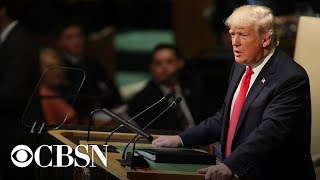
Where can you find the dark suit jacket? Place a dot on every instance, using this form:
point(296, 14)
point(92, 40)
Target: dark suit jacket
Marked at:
point(97, 91)
point(272, 139)
point(19, 73)
point(152, 93)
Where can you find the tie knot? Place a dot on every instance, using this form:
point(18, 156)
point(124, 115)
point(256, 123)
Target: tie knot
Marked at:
point(249, 71)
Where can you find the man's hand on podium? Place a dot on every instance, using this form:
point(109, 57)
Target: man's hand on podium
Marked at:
point(168, 141)
point(221, 172)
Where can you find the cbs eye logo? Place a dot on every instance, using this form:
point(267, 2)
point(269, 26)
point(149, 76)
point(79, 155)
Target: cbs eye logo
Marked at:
point(21, 156)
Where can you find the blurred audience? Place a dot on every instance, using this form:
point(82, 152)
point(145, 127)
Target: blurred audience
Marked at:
point(167, 68)
point(98, 90)
point(55, 108)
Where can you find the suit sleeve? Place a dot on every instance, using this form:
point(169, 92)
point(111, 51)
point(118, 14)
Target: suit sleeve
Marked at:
point(284, 115)
point(207, 132)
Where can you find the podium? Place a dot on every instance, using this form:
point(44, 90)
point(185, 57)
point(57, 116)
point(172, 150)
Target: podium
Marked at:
point(73, 138)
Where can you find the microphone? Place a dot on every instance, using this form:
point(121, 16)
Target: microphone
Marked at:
point(128, 124)
point(111, 148)
point(166, 97)
point(173, 104)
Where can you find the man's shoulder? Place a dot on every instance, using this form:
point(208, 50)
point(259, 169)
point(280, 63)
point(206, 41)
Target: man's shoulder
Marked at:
point(148, 95)
point(150, 92)
point(150, 88)
point(20, 37)
point(287, 66)
point(93, 64)
point(19, 31)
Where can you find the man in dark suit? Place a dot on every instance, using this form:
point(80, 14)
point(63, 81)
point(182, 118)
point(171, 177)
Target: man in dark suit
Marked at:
point(168, 76)
point(264, 124)
point(19, 59)
point(18, 78)
point(98, 90)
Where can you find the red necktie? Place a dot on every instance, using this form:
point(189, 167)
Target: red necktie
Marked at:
point(245, 83)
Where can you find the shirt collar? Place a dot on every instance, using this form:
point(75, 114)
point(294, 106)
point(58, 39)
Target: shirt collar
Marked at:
point(6, 31)
point(72, 59)
point(166, 90)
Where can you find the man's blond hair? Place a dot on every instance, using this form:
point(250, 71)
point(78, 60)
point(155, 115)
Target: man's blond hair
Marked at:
point(259, 16)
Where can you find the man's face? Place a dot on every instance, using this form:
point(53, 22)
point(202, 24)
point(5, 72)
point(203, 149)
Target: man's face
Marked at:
point(72, 40)
point(165, 65)
point(248, 45)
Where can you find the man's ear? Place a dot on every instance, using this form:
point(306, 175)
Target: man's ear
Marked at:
point(266, 41)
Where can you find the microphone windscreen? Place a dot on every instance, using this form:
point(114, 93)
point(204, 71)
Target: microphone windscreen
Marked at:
point(178, 100)
point(168, 96)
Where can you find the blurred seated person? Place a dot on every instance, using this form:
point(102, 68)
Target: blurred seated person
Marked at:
point(55, 108)
point(98, 90)
point(167, 69)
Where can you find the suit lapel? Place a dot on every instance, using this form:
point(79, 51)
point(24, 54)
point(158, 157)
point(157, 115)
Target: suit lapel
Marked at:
point(238, 72)
point(235, 79)
point(264, 77)
point(9, 38)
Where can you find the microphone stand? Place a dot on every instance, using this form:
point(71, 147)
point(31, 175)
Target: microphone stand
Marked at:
point(90, 122)
point(137, 160)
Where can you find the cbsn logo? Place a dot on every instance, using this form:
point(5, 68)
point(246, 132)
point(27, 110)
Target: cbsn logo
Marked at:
point(22, 156)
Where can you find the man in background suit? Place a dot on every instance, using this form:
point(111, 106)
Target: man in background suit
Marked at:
point(19, 59)
point(98, 90)
point(18, 77)
point(168, 76)
point(264, 124)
